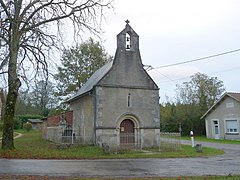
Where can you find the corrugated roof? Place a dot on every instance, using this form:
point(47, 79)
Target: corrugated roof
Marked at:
point(93, 80)
point(235, 96)
point(35, 120)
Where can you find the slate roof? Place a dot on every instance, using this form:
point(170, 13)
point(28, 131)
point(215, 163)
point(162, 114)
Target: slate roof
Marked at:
point(92, 81)
point(233, 95)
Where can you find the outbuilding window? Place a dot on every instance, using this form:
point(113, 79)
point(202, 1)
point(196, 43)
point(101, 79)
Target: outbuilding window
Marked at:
point(230, 105)
point(231, 126)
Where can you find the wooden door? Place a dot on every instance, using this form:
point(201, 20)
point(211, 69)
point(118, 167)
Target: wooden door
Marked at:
point(127, 132)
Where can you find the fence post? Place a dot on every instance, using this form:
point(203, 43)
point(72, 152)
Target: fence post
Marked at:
point(192, 138)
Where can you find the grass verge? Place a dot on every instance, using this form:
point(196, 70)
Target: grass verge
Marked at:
point(32, 146)
point(204, 139)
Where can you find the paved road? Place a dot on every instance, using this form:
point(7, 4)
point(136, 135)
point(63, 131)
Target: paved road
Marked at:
point(226, 164)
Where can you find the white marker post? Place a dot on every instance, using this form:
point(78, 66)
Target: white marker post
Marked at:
point(192, 138)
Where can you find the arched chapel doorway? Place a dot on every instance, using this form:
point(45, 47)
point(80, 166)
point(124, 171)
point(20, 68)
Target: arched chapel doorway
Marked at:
point(127, 136)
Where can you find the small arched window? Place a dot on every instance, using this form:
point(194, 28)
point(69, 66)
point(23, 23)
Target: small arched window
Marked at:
point(129, 100)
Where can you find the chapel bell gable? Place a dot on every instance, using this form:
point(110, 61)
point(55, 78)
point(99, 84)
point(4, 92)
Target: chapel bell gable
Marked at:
point(119, 104)
point(128, 39)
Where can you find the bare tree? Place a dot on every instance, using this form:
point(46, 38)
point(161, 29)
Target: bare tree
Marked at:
point(26, 37)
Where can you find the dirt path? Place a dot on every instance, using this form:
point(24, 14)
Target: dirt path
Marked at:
point(17, 136)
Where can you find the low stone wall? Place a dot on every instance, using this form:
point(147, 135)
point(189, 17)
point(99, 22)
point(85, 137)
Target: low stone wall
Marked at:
point(232, 136)
point(54, 134)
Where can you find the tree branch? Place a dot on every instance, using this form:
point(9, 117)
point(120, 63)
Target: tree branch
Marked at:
point(4, 62)
point(31, 4)
point(23, 14)
point(80, 19)
point(3, 72)
point(5, 9)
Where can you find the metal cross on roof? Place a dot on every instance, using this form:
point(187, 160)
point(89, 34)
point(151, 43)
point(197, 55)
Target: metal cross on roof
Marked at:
point(127, 21)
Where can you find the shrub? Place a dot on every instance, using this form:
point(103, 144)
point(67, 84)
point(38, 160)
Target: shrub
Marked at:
point(27, 126)
point(17, 123)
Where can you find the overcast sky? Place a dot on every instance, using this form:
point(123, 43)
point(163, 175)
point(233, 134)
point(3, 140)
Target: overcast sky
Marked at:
point(173, 31)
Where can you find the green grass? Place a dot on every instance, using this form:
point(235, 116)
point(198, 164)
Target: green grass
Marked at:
point(32, 146)
point(204, 139)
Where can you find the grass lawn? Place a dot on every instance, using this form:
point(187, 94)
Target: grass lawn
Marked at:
point(203, 138)
point(32, 146)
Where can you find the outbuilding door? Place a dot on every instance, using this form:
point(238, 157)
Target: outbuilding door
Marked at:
point(127, 132)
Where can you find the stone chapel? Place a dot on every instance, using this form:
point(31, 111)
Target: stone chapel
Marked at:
point(119, 104)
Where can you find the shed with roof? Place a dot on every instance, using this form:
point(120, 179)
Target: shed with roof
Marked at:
point(119, 104)
point(36, 123)
point(222, 120)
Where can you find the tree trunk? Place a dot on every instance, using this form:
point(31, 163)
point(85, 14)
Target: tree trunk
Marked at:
point(3, 103)
point(8, 123)
point(13, 86)
point(8, 118)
